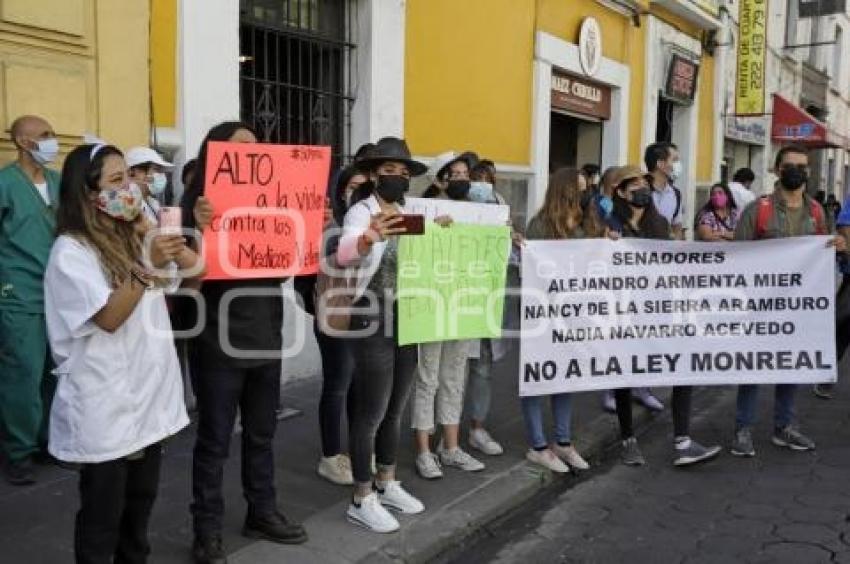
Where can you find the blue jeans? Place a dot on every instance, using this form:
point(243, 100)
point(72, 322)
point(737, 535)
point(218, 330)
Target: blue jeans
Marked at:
point(783, 410)
point(532, 413)
point(478, 391)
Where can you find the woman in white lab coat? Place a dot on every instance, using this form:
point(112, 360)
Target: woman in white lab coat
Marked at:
point(119, 391)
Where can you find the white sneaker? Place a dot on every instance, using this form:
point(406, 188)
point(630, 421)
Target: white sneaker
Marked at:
point(570, 455)
point(372, 515)
point(336, 469)
point(428, 466)
point(480, 439)
point(396, 497)
point(547, 459)
point(458, 458)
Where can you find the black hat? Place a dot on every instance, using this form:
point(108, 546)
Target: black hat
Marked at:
point(391, 149)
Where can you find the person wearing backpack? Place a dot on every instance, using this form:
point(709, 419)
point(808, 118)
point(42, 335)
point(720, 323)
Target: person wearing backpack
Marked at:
point(788, 212)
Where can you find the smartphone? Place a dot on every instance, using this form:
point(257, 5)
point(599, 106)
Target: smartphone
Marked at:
point(171, 219)
point(413, 224)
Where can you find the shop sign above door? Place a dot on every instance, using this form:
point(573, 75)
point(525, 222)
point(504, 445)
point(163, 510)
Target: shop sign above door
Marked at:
point(579, 95)
point(590, 46)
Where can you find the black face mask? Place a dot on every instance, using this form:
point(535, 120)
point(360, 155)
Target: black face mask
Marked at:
point(458, 189)
point(641, 198)
point(391, 187)
point(793, 177)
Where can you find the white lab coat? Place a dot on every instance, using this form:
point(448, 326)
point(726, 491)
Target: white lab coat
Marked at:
point(118, 392)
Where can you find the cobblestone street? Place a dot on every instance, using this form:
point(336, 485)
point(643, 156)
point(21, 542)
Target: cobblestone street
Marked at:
point(780, 506)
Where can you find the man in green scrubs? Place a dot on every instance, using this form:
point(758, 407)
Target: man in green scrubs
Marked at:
point(29, 194)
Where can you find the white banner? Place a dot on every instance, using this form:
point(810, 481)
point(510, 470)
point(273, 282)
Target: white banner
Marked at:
point(600, 314)
point(460, 212)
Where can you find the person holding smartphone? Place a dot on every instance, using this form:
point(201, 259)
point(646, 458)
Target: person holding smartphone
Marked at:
point(119, 393)
point(384, 371)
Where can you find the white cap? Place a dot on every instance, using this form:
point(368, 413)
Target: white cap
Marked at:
point(142, 155)
point(440, 162)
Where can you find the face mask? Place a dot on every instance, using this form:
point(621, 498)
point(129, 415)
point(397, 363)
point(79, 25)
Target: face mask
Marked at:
point(676, 173)
point(124, 203)
point(160, 181)
point(606, 206)
point(793, 177)
point(481, 192)
point(46, 152)
point(458, 189)
point(391, 187)
point(641, 198)
point(719, 200)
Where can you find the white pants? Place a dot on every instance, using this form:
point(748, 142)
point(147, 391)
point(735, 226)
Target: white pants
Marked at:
point(440, 379)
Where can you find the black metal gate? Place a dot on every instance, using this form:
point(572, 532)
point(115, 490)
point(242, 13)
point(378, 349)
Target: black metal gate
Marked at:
point(295, 82)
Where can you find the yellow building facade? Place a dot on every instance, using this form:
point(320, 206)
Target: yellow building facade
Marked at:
point(80, 64)
point(485, 75)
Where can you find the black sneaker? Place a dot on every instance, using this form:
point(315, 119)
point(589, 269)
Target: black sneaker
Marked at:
point(275, 528)
point(19, 473)
point(209, 550)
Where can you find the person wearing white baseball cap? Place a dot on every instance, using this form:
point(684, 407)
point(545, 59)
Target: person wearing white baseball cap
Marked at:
point(147, 168)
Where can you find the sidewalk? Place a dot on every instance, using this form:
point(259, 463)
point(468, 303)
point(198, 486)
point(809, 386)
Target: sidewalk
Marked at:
point(36, 523)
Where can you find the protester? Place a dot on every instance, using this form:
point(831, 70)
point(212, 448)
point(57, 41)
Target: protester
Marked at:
point(337, 358)
point(742, 186)
point(788, 212)
point(842, 301)
point(120, 393)
point(663, 164)
point(441, 372)
point(29, 192)
point(590, 172)
point(717, 219)
point(225, 383)
point(486, 351)
point(635, 211)
point(383, 370)
point(147, 169)
point(832, 208)
point(561, 217)
point(449, 175)
point(664, 167)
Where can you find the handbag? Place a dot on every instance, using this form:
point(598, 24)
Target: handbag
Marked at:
point(334, 295)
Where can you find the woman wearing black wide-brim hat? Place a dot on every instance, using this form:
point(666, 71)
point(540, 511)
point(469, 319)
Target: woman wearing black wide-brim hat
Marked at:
point(384, 371)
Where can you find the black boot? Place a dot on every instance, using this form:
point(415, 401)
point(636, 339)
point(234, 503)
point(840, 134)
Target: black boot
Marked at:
point(209, 550)
point(275, 528)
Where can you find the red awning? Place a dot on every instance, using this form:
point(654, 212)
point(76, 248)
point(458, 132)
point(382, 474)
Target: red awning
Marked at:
point(792, 124)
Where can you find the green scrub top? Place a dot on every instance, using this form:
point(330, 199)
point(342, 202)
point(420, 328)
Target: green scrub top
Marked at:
point(27, 231)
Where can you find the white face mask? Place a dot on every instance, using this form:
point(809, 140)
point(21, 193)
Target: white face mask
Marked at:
point(47, 151)
point(676, 173)
point(160, 181)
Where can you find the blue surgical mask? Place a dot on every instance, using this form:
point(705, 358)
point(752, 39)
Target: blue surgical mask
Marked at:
point(158, 184)
point(47, 151)
point(606, 206)
point(481, 192)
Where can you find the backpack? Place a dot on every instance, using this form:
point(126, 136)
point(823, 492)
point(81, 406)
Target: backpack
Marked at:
point(765, 212)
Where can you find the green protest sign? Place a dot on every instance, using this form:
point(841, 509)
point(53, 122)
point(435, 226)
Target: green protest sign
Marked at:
point(451, 283)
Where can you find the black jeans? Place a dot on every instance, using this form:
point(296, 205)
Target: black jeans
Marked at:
point(380, 387)
point(221, 389)
point(337, 367)
point(681, 408)
point(116, 498)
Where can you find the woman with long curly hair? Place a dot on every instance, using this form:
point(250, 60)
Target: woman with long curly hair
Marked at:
point(561, 217)
point(120, 393)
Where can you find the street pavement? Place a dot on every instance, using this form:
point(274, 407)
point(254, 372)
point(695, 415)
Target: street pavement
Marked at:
point(778, 507)
point(778, 503)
